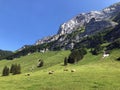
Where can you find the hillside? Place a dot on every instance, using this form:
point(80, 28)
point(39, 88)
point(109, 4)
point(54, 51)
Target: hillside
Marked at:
point(84, 29)
point(30, 61)
point(4, 53)
point(93, 72)
point(89, 41)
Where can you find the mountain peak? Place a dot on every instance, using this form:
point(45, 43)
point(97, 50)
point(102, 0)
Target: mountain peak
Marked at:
point(92, 22)
point(115, 8)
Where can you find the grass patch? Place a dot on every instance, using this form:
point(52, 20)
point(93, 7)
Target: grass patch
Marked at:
point(92, 73)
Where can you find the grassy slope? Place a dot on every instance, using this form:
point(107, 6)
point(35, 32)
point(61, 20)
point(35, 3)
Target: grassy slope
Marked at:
point(92, 73)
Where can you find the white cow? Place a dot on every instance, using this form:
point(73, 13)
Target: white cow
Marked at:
point(105, 54)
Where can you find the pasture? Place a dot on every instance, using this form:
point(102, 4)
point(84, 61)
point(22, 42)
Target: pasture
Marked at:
point(91, 73)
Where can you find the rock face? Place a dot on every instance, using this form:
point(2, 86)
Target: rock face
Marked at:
point(112, 10)
point(25, 46)
point(95, 26)
point(79, 21)
point(84, 18)
point(93, 21)
point(47, 39)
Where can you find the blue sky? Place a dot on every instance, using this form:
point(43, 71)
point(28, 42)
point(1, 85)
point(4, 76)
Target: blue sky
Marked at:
point(25, 21)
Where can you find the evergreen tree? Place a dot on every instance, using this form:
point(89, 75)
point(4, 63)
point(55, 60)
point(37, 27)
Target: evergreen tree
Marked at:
point(96, 50)
point(76, 55)
point(65, 61)
point(12, 68)
point(18, 69)
point(15, 69)
point(5, 71)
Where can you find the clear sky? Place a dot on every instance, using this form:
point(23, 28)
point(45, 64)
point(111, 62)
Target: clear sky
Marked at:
point(25, 21)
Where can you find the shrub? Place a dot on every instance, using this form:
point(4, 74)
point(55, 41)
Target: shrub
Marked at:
point(40, 63)
point(76, 55)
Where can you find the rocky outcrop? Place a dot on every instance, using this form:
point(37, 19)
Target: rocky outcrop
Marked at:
point(93, 21)
point(96, 26)
point(25, 46)
point(79, 21)
point(112, 10)
point(84, 18)
point(47, 39)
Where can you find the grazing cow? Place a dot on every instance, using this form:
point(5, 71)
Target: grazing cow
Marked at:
point(29, 53)
point(73, 70)
point(28, 74)
point(65, 69)
point(50, 72)
point(105, 54)
point(42, 51)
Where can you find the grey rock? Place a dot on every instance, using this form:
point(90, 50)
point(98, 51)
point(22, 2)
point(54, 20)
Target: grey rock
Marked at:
point(93, 21)
point(95, 26)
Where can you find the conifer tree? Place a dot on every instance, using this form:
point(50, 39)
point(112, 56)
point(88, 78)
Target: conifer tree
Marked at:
point(15, 69)
point(65, 61)
point(18, 69)
point(5, 71)
point(12, 67)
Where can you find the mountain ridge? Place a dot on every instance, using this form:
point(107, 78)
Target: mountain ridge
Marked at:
point(97, 31)
point(82, 21)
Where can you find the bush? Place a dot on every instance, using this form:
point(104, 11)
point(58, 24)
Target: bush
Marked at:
point(5, 71)
point(76, 55)
point(40, 63)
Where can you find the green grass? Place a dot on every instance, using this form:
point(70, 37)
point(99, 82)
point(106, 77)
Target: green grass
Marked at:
point(92, 73)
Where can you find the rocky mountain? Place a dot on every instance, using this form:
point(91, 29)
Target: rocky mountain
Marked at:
point(47, 39)
point(23, 47)
point(96, 26)
point(91, 30)
point(92, 22)
point(84, 18)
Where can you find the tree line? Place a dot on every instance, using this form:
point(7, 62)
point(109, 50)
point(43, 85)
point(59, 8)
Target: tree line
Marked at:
point(4, 54)
point(14, 69)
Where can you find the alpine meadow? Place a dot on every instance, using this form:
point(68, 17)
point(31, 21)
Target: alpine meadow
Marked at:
point(83, 55)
